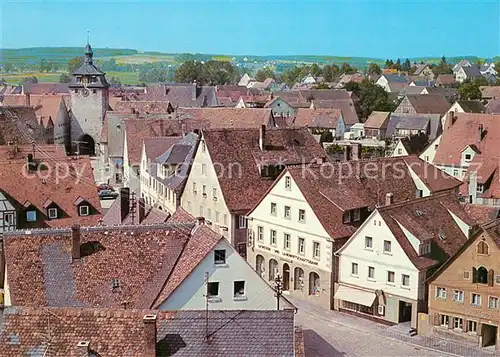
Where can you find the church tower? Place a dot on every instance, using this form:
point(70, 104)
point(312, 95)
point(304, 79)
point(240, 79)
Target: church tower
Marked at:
point(89, 103)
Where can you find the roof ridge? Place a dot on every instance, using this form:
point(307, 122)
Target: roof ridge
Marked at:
point(120, 227)
point(416, 199)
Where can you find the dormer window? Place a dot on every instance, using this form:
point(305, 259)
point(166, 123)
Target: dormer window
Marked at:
point(425, 248)
point(84, 210)
point(346, 217)
point(468, 157)
point(52, 213)
point(480, 188)
point(31, 216)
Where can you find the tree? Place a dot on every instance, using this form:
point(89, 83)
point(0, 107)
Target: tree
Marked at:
point(64, 78)
point(9, 67)
point(321, 86)
point(371, 97)
point(373, 68)
point(218, 72)
point(468, 91)
point(330, 71)
point(31, 79)
point(74, 64)
point(315, 70)
point(44, 65)
point(347, 69)
point(115, 81)
point(481, 81)
point(406, 65)
point(397, 65)
point(188, 72)
point(264, 73)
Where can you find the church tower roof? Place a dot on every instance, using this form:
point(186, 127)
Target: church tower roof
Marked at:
point(88, 69)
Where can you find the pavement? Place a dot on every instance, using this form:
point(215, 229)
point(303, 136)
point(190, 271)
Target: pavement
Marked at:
point(334, 334)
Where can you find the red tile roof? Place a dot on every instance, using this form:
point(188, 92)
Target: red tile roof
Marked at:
point(490, 92)
point(428, 219)
point(346, 105)
point(317, 118)
point(428, 103)
point(46, 106)
point(64, 181)
point(148, 263)
point(143, 107)
point(377, 120)
point(482, 214)
point(236, 118)
point(240, 147)
point(445, 79)
point(10, 153)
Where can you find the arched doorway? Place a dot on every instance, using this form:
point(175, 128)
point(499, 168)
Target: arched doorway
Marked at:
point(273, 267)
point(313, 283)
point(286, 277)
point(259, 264)
point(85, 145)
point(298, 278)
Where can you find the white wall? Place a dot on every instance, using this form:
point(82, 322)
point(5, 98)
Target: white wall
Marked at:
point(399, 150)
point(354, 252)
point(192, 202)
point(430, 152)
point(311, 230)
point(419, 183)
point(191, 293)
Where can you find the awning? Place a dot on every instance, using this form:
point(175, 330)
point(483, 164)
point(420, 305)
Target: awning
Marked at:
point(348, 293)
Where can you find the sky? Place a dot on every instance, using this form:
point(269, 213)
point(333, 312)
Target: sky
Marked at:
point(378, 29)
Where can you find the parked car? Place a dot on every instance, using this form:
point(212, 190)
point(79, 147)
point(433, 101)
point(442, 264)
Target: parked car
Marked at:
point(107, 195)
point(104, 186)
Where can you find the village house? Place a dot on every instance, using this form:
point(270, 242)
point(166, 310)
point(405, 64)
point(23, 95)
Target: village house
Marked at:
point(376, 125)
point(189, 95)
point(488, 69)
point(384, 265)
point(393, 82)
point(460, 64)
point(423, 104)
point(464, 293)
point(163, 173)
point(468, 150)
point(490, 92)
point(168, 266)
point(405, 125)
point(233, 168)
point(280, 107)
point(423, 70)
point(148, 333)
point(444, 80)
point(469, 73)
point(308, 213)
point(245, 79)
point(449, 93)
point(320, 120)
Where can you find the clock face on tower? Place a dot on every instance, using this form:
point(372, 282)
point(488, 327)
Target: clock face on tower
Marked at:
point(85, 92)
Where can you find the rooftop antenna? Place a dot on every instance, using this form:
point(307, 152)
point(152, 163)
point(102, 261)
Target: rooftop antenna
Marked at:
point(88, 37)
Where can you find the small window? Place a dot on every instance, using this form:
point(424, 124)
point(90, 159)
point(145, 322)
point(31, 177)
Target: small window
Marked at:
point(371, 273)
point(286, 241)
point(214, 193)
point(302, 215)
point(390, 277)
point(213, 289)
point(220, 256)
point(239, 288)
point(458, 296)
point(458, 323)
point(209, 214)
point(316, 250)
point(203, 169)
point(115, 283)
point(356, 214)
point(476, 300)
point(273, 209)
point(440, 293)
point(52, 212)
point(493, 302)
point(260, 233)
point(346, 218)
point(354, 269)
point(288, 182)
point(203, 146)
point(405, 280)
point(424, 248)
point(31, 216)
point(482, 248)
point(273, 237)
point(302, 246)
point(381, 310)
point(468, 157)
point(368, 242)
point(194, 188)
point(480, 188)
point(242, 222)
point(8, 219)
point(472, 326)
point(217, 216)
point(204, 190)
point(387, 246)
point(84, 210)
point(466, 275)
point(444, 320)
point(287, 213)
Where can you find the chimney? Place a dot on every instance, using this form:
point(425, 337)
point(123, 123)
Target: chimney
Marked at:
point(312, 104)
point(389, 199)
point(200, 221)
point(356, 151)
point(262, 138)
point(27, 100)
point(480, 131)
point(195, 90)
point(347, 153)
point(124, 203)
point(142, 210)
point(75, 241)
point(83, 349)
point(150, 335)
point(162, 128)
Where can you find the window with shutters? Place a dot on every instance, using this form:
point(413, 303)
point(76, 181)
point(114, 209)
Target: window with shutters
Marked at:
point(482, 248)
point(480, 275)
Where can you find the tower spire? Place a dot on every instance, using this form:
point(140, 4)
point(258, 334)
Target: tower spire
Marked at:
point(88, 50)
point(88, 37)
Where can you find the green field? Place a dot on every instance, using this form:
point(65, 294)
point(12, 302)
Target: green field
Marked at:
point(17, 78)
